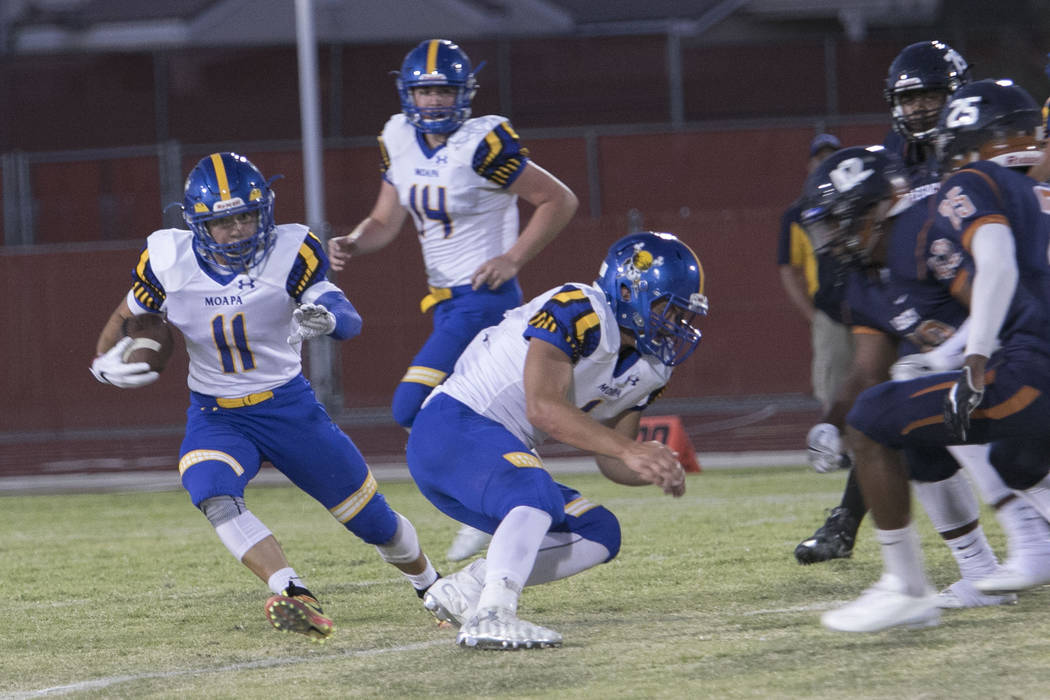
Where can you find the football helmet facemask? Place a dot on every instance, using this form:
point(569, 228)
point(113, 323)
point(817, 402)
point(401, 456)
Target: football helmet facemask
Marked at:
point(437, 62)
point(993, 120)
point(655, 286)
point(223, 185)
point(923, 67)
point(847, 200)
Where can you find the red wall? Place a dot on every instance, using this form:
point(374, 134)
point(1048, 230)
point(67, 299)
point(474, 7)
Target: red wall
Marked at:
point(720, 191)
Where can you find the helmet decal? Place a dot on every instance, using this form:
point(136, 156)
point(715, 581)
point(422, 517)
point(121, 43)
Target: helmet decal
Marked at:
point(655, 286)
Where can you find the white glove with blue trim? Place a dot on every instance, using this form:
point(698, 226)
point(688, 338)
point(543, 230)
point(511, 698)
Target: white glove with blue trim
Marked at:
point(310, 321)
point(110, 368)
point(824, 449)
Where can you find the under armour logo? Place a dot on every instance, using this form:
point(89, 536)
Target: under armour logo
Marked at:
point(241, 284)
point(633, 379)
point(441, 160)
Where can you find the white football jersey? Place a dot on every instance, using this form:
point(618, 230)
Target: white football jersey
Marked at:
point(456, 193)
point(236, 330)
point(488, 376)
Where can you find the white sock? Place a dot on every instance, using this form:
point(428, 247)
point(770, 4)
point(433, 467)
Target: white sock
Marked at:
point(973, 554)
point(511, 556)
point(422, 581)
point(974, 460)
point(1038, 496)
point(1027, 532)
point(280, 579)
point(563, 554)
point(902, 557)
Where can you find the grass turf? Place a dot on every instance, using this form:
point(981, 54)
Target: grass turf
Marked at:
point(132, 595)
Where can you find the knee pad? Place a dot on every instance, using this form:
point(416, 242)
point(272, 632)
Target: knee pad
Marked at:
point(376, 523)
point(929, 463)
point(950, 502)
point(408, 397)
point(1021, 463)
point(241, 533)
point(403, 547)
point(599, 525)
point(221, 509)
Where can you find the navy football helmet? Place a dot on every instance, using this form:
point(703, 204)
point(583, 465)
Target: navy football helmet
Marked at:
point(222, 185)
point(990, 120)
point(848, 197)
point(655, 286)
point(437, 62)
point(927, 66)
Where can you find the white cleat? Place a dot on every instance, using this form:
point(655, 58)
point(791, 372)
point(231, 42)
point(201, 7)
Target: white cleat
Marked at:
point(1010, 579)
point(501, 629)
point(453, 598)
point(467, 542)
point(963, 594)
point(882, 606)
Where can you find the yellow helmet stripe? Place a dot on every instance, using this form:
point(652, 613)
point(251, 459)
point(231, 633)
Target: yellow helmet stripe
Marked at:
point(699, 267)
point(220, 176)
point(432, 55)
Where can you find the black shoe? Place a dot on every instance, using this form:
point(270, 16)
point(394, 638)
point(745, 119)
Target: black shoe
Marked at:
point(833, 540)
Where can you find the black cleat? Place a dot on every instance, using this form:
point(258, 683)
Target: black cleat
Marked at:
point(833, 540)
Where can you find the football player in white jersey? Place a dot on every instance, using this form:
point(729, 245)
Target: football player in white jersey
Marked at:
point(460, 178)
point(579, 364)
point(245, 293)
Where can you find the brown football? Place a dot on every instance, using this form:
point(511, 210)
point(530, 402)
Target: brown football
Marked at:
point(152, 340)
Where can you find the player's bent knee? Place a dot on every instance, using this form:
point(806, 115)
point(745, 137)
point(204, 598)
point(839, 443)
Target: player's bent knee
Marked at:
point(237, 527)
point(601, 526)
point(376, 523)
point(1021, 463)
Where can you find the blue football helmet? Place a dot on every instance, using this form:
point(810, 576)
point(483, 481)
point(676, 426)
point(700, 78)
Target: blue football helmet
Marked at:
point(926, 66)
point(990, 120)
point(437, 62)
point(655, 286)
point(222, 185)
point(848, 198)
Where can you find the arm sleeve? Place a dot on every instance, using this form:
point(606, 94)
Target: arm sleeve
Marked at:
point(347, 320)
point(994, 284)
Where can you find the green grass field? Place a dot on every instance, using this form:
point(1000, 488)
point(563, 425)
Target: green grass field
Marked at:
point(131, 595)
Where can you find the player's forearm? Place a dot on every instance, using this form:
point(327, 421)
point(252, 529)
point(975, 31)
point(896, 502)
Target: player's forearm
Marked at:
point(114, 328)
point(347, 319)
point(569, 425)
point(544, 225)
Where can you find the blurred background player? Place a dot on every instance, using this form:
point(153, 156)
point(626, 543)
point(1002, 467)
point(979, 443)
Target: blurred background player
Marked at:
point(810, 283)
point(579, 364)
point(460, 178)
point(245, 293)
point(966, 247)
point(919, 80)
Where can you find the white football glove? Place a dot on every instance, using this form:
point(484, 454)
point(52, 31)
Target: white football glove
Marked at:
point(110, 368)
point(310, 321)
point(824, 449)
point(922, 363)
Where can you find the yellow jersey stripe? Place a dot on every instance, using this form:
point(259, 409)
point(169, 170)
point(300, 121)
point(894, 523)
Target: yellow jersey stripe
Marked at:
point(523, 459)
point(197, 456)
point(427, 376)
point(579, 506)
point(345, 511)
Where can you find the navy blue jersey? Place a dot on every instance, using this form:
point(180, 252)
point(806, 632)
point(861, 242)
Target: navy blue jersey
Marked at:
point(923, 172)
point(900, 299)
point(984, 193)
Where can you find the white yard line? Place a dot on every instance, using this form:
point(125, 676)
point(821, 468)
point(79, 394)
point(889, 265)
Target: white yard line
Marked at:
point(99, 683)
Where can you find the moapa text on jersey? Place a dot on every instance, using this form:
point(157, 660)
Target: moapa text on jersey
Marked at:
point(428, 172)
point(232, 300)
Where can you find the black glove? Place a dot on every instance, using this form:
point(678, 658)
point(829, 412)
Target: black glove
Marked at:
point(959, 403)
